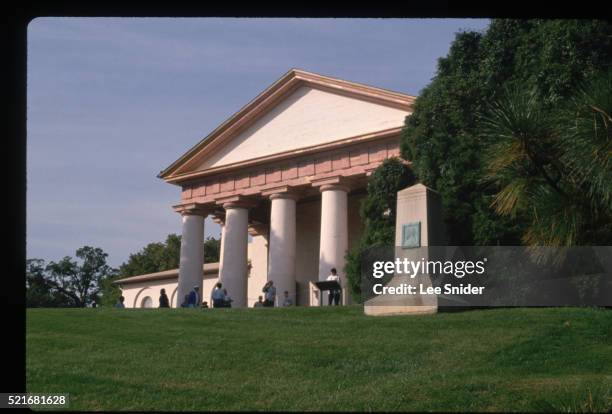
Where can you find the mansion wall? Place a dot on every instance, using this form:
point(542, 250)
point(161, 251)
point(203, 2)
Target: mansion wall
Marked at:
point(138, 295)
point(307, 245)
point(286, 172)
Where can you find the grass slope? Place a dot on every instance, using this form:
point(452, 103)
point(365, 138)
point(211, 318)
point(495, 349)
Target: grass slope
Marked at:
point(322, 359)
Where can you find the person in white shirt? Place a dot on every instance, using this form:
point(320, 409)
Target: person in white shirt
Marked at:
point(218, 296)
point(287, 301)
point(334, 295)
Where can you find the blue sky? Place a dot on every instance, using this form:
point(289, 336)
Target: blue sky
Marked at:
point(113, 101)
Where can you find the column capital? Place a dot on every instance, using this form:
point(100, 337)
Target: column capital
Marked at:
point(285, 191)
point(257, 228)
point(333, 183)
point(219, 217)
point(237, 201)
point(194, 209)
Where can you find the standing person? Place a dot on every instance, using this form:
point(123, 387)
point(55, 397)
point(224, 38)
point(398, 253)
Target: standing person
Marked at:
point(163, 299)
point(270, 291)
point(287, 301)
point(119, 303)
point(194, 298)
point(218, 296)
point(334, 295)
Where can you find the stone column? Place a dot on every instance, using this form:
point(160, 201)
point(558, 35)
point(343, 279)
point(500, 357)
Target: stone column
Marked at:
point(221, 244)
point(220, 221)
point(192, 252)
point(233, 265)
point(281, 257)
point(334, 231)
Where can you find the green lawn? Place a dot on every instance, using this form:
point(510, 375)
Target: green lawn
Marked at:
point(322, 359)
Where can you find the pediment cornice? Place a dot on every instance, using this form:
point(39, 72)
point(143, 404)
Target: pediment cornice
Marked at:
point(295, 78)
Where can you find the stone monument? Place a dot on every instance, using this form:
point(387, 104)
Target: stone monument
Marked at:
point(419, 224)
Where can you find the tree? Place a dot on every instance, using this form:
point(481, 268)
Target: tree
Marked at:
point(39, 292)
point(377, 211)
point(158, 256)
point(80, 281)
point(212, 250)
point(68, 282)
point(109, 292)
point(553, 164)
point(155, 257)
point(443, 137)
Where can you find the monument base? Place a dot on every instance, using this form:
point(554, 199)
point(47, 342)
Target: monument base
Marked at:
point(418, 224)
point(377, 310)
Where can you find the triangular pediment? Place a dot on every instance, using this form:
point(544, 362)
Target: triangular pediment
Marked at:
point(301, 110)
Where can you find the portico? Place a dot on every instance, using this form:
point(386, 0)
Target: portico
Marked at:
point(289, 170)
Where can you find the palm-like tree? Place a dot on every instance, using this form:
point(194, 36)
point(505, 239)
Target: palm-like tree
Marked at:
point(552, 166)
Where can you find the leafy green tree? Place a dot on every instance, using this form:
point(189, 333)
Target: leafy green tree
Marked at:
point(553, 164)
point(68, 282)
point(154, 257)
point(443, 137)
point(378, 212)
point(39, 292)
point(109, 292)
point(212, 250)
point(158, 256)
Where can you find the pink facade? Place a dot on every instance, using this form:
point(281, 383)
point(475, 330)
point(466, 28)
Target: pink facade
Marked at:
point(289, 169)
point(352, 161)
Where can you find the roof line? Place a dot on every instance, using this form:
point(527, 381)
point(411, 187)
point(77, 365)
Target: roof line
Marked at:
point(294, 73)
point(220, 127)
point(164, 274)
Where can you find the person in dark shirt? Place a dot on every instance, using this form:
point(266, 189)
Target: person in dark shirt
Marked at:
point(120, 303)
point(334, 294)
point(163, 299)
point(194, 298)
point(270, 292)
point(185, 303)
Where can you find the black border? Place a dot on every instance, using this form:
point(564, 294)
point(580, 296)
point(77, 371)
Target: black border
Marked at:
point(14, 70)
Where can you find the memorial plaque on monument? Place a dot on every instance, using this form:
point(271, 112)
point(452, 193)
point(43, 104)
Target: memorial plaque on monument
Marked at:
point(411, 235)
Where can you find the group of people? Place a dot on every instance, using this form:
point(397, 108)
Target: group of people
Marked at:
point(191, 300)
point(269, 291)
point(221, 299)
